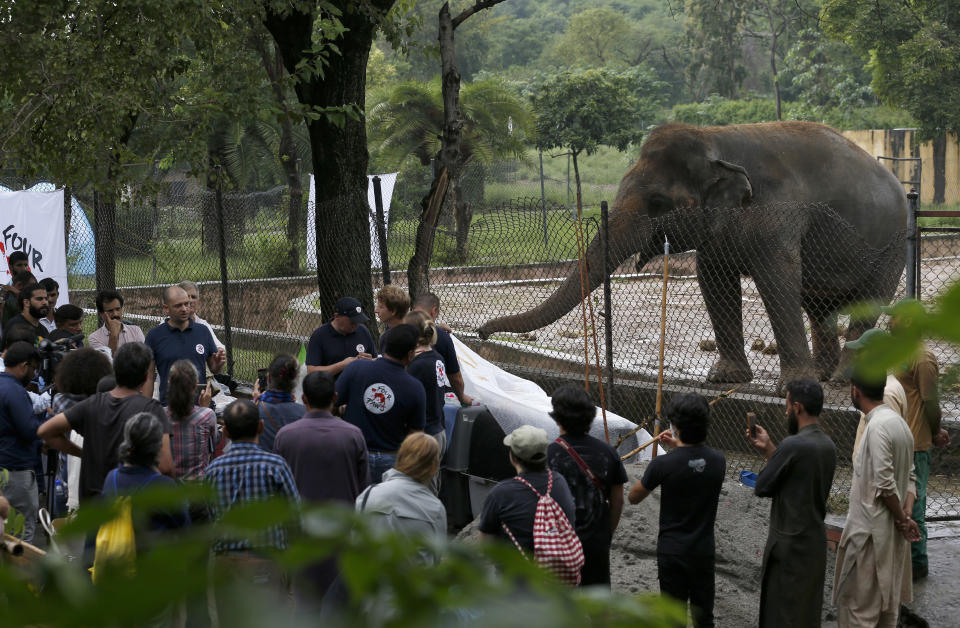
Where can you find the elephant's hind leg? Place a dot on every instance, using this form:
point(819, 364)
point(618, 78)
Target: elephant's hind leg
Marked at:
point(826, 346)
point(720, 287)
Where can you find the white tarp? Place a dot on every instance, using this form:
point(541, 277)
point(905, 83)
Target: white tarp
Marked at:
point(515, 401)
point(387, 182)
point(32, 222)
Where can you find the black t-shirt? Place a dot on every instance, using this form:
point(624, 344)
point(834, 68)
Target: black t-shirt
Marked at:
point(428, 368)
point(100, 420)
point(513, 503)
point(592, 505)
point(691, 479)
point(19, 319)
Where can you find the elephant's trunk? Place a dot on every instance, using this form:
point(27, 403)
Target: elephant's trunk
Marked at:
point(568, 294)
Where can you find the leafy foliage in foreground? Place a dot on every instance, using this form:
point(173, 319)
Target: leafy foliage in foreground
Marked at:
point(389, 583)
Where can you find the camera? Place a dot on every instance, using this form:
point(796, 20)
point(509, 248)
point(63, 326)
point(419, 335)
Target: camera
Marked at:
point(52, 352)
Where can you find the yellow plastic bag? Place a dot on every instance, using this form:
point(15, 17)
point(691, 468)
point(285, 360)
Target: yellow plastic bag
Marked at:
point(116, 544)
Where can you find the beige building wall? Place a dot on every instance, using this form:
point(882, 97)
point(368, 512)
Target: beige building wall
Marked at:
point(939, 171)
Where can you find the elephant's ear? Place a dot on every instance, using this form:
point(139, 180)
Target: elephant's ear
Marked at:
point(729, 186)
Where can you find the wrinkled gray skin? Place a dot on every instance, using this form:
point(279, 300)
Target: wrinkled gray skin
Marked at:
point(750, 169)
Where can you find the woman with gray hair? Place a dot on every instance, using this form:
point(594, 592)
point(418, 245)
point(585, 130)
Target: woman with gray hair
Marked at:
point(139, 451)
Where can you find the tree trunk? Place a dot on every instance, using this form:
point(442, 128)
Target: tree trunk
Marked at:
point(286, 153)
point(339, 151)
point(463, 213)
point(295, 219)
point(418, 271)
point(773, 59)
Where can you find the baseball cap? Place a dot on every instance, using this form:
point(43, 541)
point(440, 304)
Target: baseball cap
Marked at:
point(528, 443)
point(871, 335)
point(351, 308)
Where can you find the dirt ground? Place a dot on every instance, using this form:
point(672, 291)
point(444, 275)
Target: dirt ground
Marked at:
point(741, 533)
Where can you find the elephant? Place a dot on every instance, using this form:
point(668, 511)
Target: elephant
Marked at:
point(815, 221)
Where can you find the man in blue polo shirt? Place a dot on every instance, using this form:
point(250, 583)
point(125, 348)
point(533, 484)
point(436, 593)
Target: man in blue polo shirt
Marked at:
point(19, 445)
point(383, 400)
point(179, 338)
point(336, 344)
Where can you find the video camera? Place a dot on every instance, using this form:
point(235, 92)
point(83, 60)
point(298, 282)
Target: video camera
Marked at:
point(52, 352)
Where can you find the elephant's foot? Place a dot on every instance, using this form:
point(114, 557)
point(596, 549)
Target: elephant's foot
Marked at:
point(727, 371)
point(841, 374)
point(791, 373)
point(826, 368)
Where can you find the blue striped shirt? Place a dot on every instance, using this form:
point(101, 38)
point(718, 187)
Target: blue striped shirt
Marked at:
point(247, 474)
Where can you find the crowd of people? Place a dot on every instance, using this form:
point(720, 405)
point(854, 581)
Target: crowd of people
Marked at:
point(133, 410)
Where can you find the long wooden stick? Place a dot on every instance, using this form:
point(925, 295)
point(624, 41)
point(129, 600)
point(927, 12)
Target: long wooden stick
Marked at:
point(663, 338)
point(631, 433)
point(640, 448)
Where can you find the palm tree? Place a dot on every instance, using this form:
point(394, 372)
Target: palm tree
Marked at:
point(257, 154)
point(407, 120)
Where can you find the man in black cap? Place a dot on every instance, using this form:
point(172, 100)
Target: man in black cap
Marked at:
point(339, 342)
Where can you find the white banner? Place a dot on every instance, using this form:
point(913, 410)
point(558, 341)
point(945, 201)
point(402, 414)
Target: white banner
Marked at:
point(32, 222)
point(514, 401)
point(387, 182)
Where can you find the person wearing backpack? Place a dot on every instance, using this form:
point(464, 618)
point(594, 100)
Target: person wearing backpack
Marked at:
point(692, 476)
point(534, 509)
point(595, 475)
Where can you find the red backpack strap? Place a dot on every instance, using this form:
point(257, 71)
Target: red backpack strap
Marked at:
point(530, 486)
point(580, 463)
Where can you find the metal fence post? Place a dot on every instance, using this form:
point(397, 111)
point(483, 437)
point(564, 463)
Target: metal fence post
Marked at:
point(912, 262)
point(543, 203)
point(381, 231)
point(607, 300)
point(224, 287)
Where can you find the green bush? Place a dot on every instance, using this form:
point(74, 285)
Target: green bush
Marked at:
point(717, 111)
point(388, 580)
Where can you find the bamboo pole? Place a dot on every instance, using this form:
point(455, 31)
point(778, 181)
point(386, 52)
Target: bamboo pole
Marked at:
point(663, 337)
point(640, 448)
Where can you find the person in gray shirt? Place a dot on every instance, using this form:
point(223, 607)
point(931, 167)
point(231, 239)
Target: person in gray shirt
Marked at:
point(403, 501)
point(798, 477)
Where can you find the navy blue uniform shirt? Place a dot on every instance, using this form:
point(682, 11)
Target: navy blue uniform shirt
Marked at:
point(169, 344)
point(428, 368)
point(19, 444)
point(447, 351)
point(383, 400)
point(328, 346)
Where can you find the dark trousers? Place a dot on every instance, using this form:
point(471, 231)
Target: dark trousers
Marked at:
point(596, 566)
point(689, 579)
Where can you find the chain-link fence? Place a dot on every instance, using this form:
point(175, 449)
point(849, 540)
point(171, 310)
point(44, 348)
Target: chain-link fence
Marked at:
point(771, 279)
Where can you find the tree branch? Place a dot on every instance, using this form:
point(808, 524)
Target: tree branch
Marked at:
point(479, 6)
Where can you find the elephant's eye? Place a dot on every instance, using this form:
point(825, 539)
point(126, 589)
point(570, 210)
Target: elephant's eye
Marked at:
point(658, 204)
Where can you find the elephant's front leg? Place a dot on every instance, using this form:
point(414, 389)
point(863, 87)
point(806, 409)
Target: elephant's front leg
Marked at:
point(777, 278)
point(720, 286)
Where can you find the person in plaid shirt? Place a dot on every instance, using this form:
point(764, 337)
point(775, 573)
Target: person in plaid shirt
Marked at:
point(195, 433)
point(247, 474)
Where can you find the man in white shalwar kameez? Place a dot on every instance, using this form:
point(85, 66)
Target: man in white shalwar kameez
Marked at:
point(873, 576)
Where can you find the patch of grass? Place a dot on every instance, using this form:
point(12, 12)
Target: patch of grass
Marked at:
point(939, 222)
point(501, 239)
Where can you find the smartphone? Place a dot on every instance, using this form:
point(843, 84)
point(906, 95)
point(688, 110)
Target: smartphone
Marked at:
point(262, 378)
point(752, 424)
